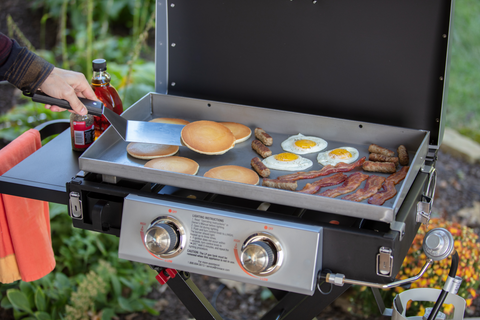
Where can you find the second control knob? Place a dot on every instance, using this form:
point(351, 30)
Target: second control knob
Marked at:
point(161, 238)
point(257, 257)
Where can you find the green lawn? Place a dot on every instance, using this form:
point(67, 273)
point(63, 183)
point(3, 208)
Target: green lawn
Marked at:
point(463, 104)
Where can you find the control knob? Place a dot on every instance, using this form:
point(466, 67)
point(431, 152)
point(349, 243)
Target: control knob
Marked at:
point(258, 257)
point(161, 238)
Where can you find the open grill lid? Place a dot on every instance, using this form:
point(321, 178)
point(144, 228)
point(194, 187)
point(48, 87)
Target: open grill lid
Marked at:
point(373, 60)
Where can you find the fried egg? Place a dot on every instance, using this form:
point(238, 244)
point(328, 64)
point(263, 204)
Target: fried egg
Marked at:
point(301, 144)
point(287, 161)
point(343, 154)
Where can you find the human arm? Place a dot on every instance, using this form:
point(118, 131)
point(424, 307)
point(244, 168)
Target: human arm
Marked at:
point(29, 72)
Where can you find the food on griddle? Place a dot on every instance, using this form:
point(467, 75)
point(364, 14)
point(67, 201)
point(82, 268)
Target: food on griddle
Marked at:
point(208, 137)
point(287, 161)
point(301, 144)
point(382, 158)
point(261, 149)
point(373, 148)
point(372, 185)
point(315, 186)
point(325, 171)
point(403, 155)
point(343, 154)
point(264, 137)
point(147, 151)
point(399, 176)
point(175, 164)
point(349, 185)
point(170, 120)
point(259, 167)
point(279, 184)
point(240, 131)
point(382, 167)
point(388, 192)
point(233, 173)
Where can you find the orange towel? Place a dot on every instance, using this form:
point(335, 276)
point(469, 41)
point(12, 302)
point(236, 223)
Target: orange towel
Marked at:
point(25, 243)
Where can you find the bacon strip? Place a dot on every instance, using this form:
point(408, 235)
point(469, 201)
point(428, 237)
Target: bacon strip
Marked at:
point(325, 171)
point(398, 176)
point(372, 185)
point(352, 183)
point(315, 186)
point(388, 192)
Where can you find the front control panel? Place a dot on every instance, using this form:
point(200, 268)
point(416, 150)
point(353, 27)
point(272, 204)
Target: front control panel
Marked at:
point(269, 252)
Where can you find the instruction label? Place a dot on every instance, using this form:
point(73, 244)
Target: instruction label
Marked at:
point(209, 243)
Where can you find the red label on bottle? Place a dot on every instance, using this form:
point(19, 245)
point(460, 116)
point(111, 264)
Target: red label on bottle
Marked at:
point(82, 135)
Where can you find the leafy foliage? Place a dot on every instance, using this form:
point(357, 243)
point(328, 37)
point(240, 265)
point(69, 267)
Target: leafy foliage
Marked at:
point(88, 279)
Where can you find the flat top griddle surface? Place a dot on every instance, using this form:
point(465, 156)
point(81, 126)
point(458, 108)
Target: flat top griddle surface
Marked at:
point(108, 154)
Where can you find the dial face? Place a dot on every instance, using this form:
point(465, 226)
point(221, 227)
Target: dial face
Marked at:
point(165, 237)
point(261, 254)
point(257, 257)
point(160, 238)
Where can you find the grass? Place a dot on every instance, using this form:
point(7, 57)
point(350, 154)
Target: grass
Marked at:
point(463, 104)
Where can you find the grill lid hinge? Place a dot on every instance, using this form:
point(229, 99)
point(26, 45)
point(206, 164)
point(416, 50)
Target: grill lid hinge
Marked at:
point(424, 206)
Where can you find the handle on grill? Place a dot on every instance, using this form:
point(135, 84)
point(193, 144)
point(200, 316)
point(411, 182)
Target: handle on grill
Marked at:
point(93, 107)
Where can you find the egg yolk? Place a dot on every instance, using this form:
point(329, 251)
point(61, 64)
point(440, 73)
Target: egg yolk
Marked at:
point(340, 154)
point(285, 157)
point(305, 144)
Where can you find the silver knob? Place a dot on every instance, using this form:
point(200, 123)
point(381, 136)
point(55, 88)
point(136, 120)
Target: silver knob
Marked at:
point(160, 238)
point(257, 257)
point(438, 244)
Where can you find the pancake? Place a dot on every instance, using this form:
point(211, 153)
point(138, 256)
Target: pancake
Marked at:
point(233, 173)
point(240, 131)
point(170, 120)
point(149, 151)
point(174, 164)
point(208, 137)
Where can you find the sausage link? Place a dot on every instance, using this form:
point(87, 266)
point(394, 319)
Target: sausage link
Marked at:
point(261, 149)
point(373, 148)
point(259, 167)
point(403, 155)
point(383, 167)
point(382, 158)
point(263, 136)
point(280, 184)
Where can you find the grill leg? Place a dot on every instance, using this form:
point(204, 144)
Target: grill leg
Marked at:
point(189, 294)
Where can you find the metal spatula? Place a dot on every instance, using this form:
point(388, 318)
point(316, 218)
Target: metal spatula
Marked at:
point(129, 130)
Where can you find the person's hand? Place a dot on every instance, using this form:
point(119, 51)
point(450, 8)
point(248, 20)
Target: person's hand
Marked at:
point(68, 85)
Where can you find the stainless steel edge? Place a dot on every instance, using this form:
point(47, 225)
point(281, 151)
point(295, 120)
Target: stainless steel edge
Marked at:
point(161, 47)
point(446, 77)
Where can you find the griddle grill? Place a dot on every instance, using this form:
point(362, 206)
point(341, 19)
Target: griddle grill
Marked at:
point(351, 72)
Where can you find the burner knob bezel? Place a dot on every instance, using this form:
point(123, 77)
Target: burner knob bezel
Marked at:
point(179, 231)
point(276, 250)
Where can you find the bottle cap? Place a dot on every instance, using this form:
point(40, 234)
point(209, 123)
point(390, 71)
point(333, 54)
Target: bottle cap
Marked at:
point(99, 65)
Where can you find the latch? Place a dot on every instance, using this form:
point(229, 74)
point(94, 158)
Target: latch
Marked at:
point(424, 207)
point(384, 262)
point(76, 209)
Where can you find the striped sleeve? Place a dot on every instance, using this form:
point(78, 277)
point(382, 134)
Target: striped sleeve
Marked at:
point(23, 68)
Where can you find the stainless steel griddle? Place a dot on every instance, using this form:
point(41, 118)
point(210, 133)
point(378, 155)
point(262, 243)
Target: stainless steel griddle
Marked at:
point(108, 155)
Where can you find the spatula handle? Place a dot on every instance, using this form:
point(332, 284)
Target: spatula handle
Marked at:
point(93, 107)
